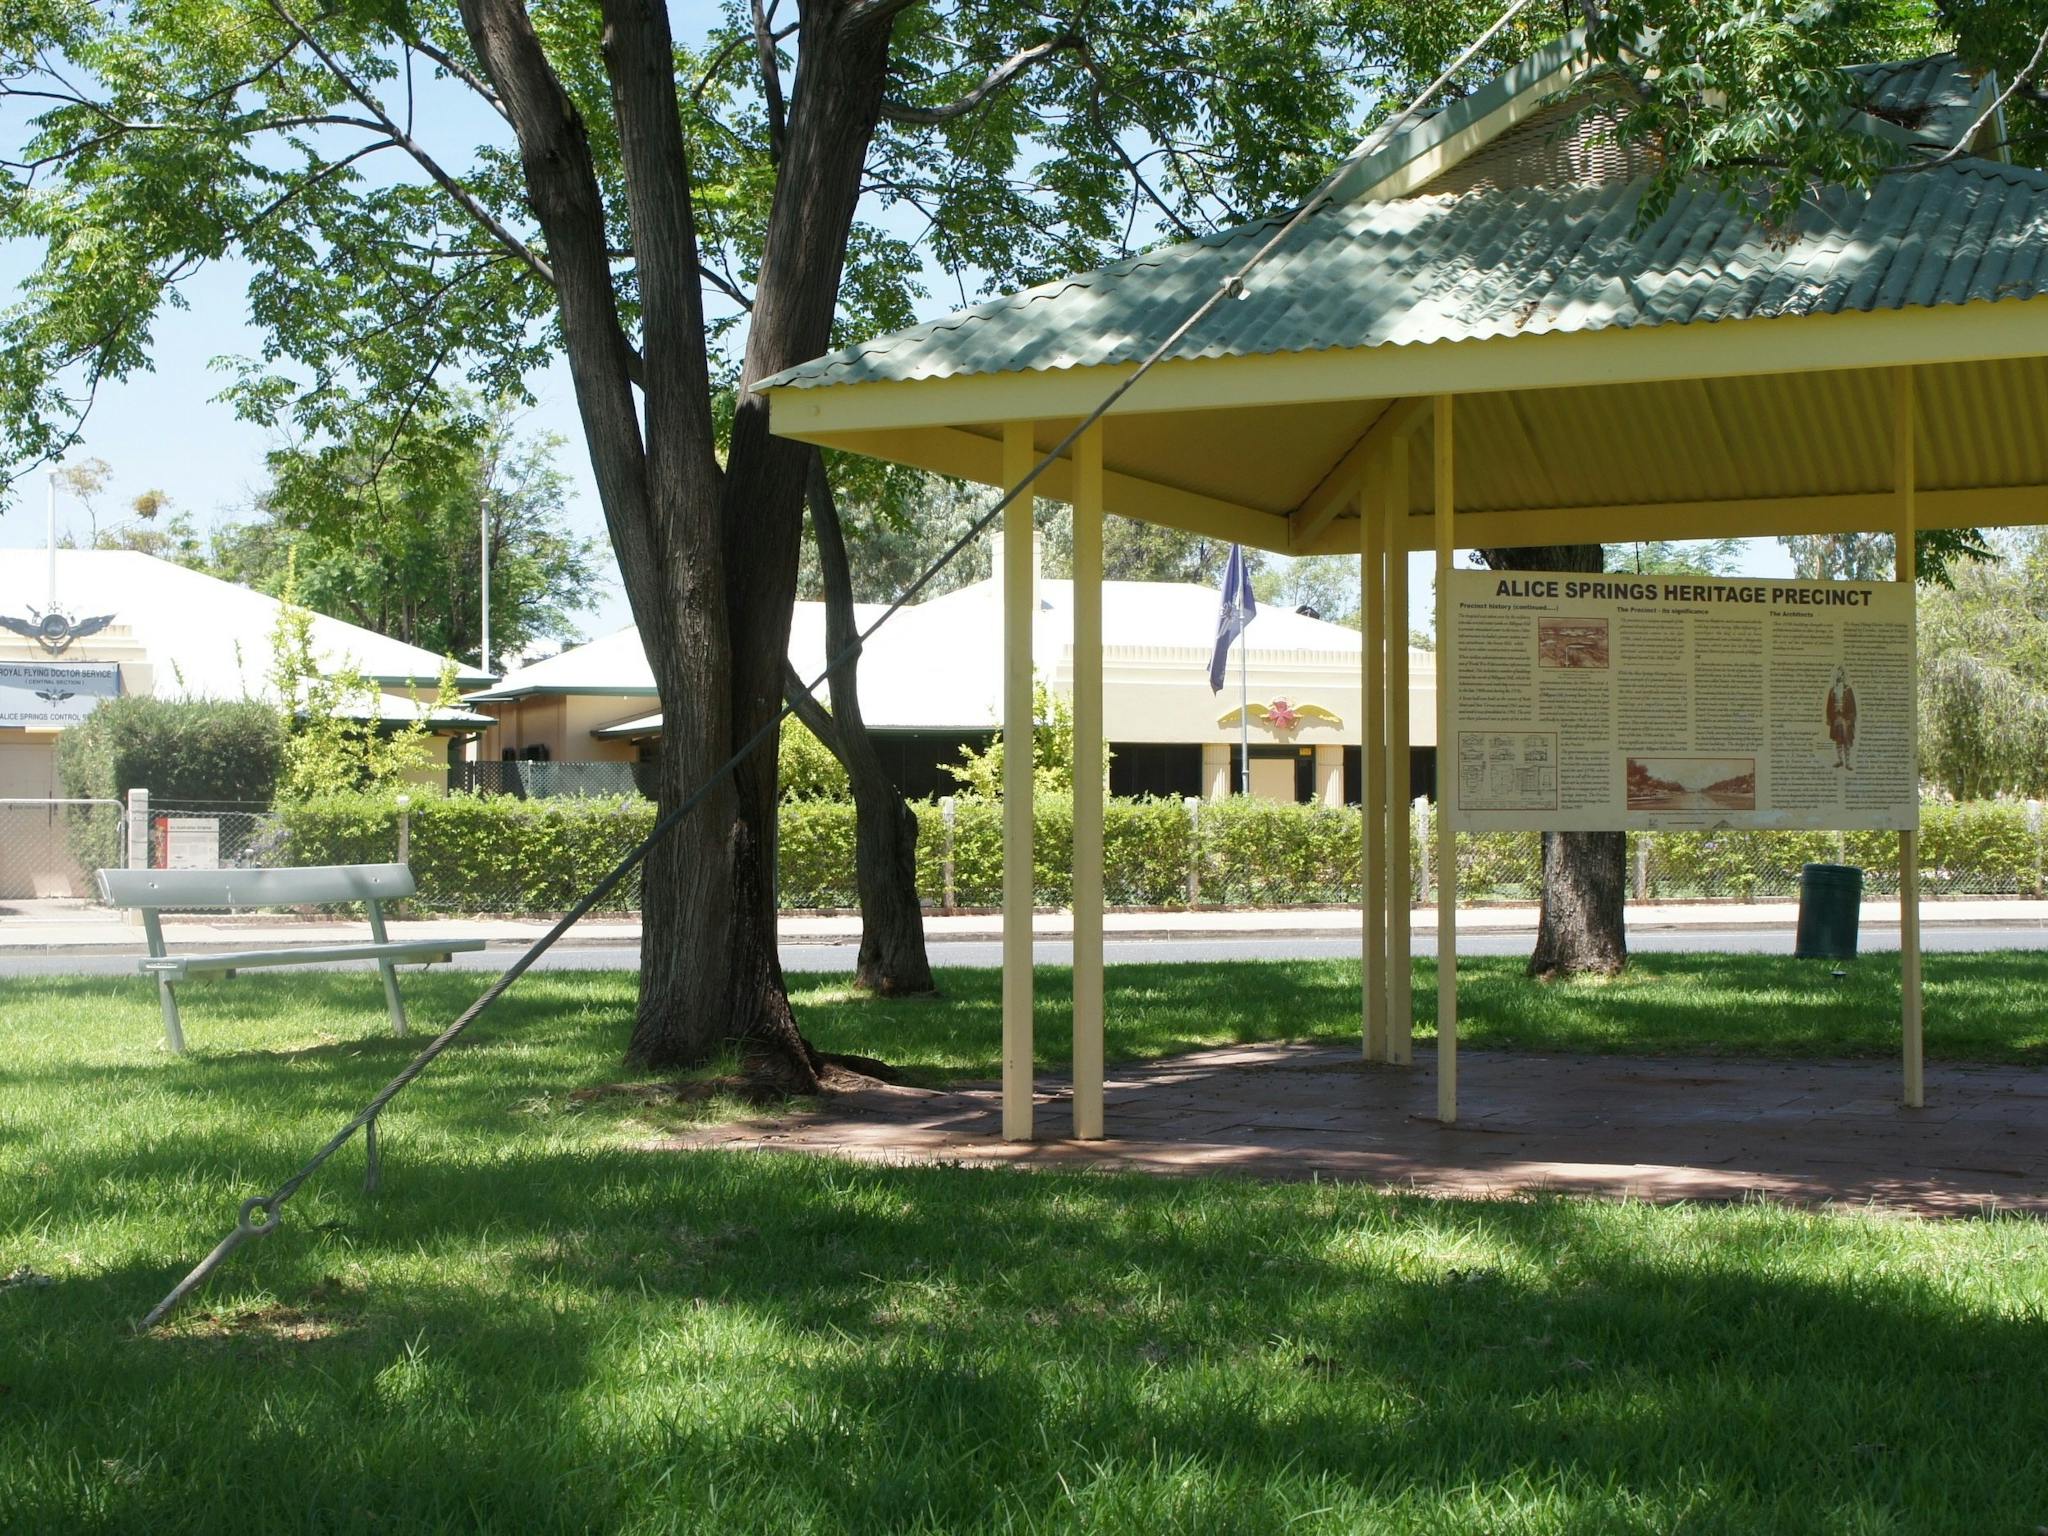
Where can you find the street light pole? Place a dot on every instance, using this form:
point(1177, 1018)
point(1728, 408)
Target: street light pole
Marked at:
point(483, 524)
point(53, 541)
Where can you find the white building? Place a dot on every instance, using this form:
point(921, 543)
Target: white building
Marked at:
point(931, 682)
point(119, 622)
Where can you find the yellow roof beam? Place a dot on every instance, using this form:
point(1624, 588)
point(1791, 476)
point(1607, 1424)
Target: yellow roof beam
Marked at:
point(1943, 333)
point(1999, 506)
point(971, 456)
point(1320, 508)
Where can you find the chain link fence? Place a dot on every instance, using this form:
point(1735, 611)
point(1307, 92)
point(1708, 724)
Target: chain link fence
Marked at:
point(49, 848)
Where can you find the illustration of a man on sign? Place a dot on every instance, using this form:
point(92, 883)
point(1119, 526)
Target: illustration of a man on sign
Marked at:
point(1842, 720)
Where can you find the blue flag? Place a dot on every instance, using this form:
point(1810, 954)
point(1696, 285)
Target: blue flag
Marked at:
point(1239, 608)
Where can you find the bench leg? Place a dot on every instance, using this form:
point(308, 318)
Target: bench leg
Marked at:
point(174, 1034)
point(391, 998)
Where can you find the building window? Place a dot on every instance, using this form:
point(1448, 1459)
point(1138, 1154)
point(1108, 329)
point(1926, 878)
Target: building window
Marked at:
point(1167, 769)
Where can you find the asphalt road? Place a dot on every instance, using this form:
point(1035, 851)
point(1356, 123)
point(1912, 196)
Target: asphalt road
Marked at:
point(839, 957)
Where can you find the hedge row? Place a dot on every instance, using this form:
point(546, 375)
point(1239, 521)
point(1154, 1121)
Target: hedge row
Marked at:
point(502, 854)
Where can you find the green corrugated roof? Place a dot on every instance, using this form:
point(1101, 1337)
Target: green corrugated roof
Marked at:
point(1935, 99)
point(1499, 263)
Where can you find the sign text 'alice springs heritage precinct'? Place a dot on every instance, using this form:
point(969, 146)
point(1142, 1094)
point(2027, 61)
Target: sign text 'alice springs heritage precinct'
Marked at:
point(1613, 702)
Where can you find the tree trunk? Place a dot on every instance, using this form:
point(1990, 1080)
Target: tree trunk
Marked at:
point(708, 558)
point(892, 959)
point(833, 109)
point(1585, 874)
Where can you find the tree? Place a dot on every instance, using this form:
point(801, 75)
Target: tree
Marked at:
point(335, 737)
point(980, 772)
point(896, 525)
point(1700, 557)
point(386, 525)
point(1326, 585)
point(1580, 927)
point(1984, 676)
point(677, 224)
point(1937, 554)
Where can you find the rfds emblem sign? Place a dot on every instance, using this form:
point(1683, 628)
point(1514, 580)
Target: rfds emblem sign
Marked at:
point(55, 692)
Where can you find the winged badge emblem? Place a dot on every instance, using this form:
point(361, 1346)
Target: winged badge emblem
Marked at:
point(55, 695)
point(54, 631)
point(1280, 716)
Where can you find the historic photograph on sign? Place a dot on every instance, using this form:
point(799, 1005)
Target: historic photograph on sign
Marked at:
point(1692, 783)
point(1574, 643)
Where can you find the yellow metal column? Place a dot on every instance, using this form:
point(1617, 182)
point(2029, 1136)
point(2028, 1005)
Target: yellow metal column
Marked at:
point(1446, 768)
point(1372, 765)
point(1400, 1003)
point(1904, 476)
point(1088, 785)
point(1020, 610)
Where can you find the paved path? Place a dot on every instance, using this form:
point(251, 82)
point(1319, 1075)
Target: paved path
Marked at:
point(826, 957)
point(1661, 1129)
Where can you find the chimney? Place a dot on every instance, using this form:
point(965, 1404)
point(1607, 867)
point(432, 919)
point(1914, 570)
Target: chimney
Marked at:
point(995, 552)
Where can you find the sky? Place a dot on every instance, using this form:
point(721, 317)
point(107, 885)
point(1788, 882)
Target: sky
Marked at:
point(167, 430)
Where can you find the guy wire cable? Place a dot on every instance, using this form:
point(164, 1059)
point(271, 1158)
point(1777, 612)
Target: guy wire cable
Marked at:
point(260, 1215)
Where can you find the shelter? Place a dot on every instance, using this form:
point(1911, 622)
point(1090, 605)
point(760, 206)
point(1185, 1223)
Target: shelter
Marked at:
point(1472, 344)
point(931, 683)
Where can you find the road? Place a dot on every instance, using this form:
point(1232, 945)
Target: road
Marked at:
point(813, 958)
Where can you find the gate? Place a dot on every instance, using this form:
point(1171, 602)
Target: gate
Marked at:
point(50, 847)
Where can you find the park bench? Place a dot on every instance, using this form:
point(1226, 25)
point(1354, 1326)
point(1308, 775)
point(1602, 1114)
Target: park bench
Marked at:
point(152, 891)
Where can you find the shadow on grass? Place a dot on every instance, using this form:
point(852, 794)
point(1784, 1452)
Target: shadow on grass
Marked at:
point(553, 1341)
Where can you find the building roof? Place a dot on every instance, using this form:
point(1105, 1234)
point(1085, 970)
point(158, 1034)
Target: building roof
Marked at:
point(937, 666)
point(204, 637)
point(1476, 259)
point(1519, 261)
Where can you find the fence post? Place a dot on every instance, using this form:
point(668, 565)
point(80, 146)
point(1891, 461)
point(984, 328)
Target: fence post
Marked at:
point(405, 829)
point(2034, 836)
point(1642, 864)
point(138, 829)
point(1194, 805)
point(946, 855)
point(1424, 842)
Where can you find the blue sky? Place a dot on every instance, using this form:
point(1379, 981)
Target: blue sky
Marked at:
point(166, 430)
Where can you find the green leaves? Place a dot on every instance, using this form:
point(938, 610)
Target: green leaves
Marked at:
point(1752, 95)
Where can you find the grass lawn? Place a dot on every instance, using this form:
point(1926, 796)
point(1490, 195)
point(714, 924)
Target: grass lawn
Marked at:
point(537, 1327)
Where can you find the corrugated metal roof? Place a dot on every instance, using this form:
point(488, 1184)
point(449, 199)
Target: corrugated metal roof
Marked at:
point(206, 638)
point(1935, 98)
point(1499, 263)
point(1557, 147)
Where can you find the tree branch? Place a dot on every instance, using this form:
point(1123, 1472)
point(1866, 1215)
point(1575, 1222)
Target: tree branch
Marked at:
point(460, 71)
point(862, 13)
point(805, 706)
point(996, 79)
point(770, 66)
point(468, 200)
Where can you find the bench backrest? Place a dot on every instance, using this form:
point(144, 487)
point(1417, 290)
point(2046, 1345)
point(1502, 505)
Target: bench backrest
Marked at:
point(255, 887)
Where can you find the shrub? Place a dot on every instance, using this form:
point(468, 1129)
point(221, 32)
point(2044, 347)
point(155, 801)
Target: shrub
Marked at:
point(502, 854)
point(178, 749)
point(479, 853)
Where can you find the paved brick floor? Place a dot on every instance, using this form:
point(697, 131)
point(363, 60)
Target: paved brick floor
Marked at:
point(1650, 1128)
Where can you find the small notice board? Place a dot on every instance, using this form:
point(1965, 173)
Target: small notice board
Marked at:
point(1608, 702)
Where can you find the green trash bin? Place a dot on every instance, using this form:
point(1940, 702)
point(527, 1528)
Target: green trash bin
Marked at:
point(1830, 902)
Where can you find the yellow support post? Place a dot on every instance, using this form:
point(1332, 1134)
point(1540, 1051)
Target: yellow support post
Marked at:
point(1400, 893)
point(1446, 766)
point(1372, 698)
point(1904, 475)
point(1088, 785)
point(1020, 610)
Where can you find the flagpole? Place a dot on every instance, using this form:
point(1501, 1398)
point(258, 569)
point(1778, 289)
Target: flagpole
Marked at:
point(1244, 714)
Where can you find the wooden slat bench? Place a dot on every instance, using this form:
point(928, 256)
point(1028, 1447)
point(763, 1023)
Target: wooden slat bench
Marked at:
point(151, 891)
